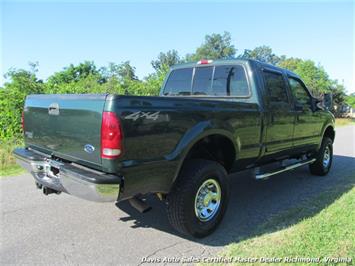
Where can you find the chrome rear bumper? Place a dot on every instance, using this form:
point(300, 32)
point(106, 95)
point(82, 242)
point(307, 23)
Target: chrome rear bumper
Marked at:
point(73, 179)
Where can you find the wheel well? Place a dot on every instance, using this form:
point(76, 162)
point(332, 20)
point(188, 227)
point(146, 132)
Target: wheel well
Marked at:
point(216, 148)
point(329, 132)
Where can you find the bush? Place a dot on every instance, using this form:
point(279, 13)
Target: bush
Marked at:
point(6, 148)
point(12, 97)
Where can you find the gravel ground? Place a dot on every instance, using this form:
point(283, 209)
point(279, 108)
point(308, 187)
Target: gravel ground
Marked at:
point(65, 230)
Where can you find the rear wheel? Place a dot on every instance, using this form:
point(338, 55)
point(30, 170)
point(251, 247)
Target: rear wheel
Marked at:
point(324, 158)
point(199, 198)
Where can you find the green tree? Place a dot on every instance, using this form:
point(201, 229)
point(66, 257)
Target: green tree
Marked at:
point(126, 71)
point(314, 76)
point(290, 63)
point(350, 100)
point(338, 92)
point(262, 53)
point(112, 70)
point(216, 46)
point(75, 73)
point(19, 83)
point(169, 59)
point(155, 81)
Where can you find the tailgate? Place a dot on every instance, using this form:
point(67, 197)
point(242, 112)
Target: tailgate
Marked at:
point(67, 126)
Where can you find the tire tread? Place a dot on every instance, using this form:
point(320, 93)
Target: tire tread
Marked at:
point(184, 183)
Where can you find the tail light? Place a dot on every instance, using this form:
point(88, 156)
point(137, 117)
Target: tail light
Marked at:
point(23, 121)
point(111, 136)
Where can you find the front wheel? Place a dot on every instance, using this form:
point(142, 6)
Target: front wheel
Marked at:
point(324, 158)
point(199, 198)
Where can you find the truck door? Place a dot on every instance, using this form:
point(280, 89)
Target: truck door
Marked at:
point(280, 115)
point(308, 125)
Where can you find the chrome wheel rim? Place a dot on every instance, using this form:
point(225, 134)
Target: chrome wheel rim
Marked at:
point(207, 200)
point(326, 157)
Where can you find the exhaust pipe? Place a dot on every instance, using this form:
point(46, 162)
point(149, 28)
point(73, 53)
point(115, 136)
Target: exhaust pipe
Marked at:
point(47, 191)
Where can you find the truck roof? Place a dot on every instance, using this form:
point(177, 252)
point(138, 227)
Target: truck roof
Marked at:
point(230, 61)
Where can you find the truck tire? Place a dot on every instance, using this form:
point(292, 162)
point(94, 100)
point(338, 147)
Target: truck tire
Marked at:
point(324, 158)
point(199, 198)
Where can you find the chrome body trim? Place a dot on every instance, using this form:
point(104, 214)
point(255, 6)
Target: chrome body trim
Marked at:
point(284, 169)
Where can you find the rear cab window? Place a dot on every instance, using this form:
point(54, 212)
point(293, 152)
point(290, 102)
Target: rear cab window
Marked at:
point(179, 82)
point(210, 81)
point(202, 81)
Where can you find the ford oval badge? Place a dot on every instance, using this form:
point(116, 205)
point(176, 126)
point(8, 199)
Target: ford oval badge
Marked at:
point(89, 148)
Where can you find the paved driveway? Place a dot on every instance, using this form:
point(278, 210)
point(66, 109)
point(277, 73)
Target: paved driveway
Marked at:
point(36, 229)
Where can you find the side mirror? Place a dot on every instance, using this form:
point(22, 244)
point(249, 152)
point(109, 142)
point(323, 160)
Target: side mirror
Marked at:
point(328, 101)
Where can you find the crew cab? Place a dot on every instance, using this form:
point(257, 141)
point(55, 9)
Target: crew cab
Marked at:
point(212, 118)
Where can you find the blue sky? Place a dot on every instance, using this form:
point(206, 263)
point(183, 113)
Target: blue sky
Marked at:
point(58, 33)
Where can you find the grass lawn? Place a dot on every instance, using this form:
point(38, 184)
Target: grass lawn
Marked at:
point(11, 170)
point(328, 232)
point(8, 165)
point(344, 121)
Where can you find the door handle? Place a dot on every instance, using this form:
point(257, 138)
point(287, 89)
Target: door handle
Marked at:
point(53, 109)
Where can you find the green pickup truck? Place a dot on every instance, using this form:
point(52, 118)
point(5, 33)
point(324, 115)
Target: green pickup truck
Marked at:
point(212, 118)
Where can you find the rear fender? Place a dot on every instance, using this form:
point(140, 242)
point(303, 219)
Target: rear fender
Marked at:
point(194, 135)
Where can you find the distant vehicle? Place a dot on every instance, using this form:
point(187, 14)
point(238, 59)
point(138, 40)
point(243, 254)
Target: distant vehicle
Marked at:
point(346, 111)
point(212, 118)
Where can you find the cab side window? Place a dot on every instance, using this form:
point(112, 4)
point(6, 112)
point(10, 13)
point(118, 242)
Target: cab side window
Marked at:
point(300, 94)
point(276, 87)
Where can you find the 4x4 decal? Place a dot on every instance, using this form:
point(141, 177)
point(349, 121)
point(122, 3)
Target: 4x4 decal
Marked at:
point(140, 114)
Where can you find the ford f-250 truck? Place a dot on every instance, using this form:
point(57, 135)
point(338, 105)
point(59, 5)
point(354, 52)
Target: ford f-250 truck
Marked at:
point(211, 119)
